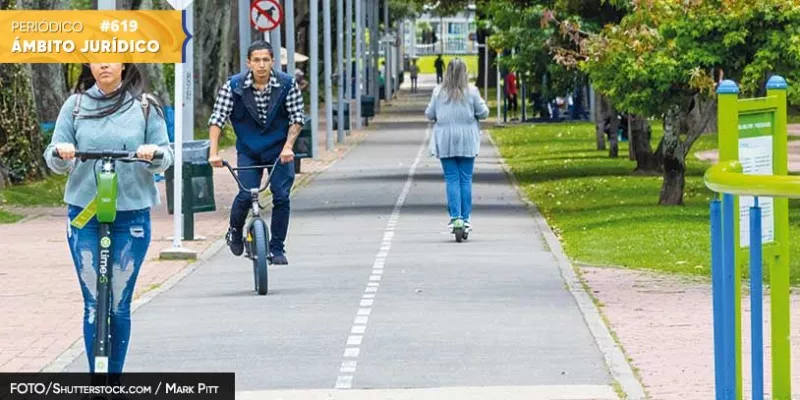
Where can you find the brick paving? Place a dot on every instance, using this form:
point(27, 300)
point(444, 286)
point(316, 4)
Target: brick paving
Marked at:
point(664, 323)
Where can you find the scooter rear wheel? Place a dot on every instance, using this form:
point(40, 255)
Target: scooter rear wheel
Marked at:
point(459, 232)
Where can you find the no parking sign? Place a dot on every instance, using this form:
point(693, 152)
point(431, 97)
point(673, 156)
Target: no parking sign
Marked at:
point(265, 15)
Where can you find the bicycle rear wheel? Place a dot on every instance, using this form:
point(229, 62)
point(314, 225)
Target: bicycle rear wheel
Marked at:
point(260, 240)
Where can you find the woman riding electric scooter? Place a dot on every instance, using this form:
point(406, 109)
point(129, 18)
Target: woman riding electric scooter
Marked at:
point(110, 112)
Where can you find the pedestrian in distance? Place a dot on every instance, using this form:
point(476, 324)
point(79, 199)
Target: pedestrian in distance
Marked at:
point(456, 108)
point(511, 94)
point(110, 110)
point(265, 108)
point(414, 73)
point(438, 64)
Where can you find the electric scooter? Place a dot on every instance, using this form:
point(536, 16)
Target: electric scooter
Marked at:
point(105, 208)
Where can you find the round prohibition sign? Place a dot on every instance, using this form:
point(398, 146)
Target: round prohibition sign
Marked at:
point(265, 15)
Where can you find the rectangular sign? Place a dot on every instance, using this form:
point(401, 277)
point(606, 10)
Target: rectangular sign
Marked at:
point(755, 155)
point(91, 36)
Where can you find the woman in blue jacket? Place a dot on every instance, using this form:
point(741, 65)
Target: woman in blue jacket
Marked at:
point(456, 107)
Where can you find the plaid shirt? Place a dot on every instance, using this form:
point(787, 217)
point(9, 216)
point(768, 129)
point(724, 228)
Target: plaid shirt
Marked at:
point(224, 102)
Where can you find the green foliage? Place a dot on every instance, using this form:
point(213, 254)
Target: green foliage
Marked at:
point(665, 53)
point(21, 142)
point(45, 192)
point(169, 79)
point(81, 4)
point(522, 30)
point(8, 218)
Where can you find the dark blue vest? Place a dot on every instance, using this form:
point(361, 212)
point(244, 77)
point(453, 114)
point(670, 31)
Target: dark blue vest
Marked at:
point(253, 137)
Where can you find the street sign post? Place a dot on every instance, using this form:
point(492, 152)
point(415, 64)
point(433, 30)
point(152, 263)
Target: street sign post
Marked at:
point(177, 251)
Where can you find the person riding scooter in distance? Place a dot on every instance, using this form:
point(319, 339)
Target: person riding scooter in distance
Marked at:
point(265, 107)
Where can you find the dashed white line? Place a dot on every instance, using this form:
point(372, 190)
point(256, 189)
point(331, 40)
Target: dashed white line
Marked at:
point(354, 340)
point(359, 329)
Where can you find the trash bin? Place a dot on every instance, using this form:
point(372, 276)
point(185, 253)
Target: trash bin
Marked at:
point(198, 184)
point(303, 144)
point(367, 106)
point(198, 172)
point(346, 107)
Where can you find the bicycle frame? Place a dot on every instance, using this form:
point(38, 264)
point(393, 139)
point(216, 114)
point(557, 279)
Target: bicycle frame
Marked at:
point(254, 192)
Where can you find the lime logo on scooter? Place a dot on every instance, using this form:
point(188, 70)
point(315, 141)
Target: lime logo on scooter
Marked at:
point(105, 243)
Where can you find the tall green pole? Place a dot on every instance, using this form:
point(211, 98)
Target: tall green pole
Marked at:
point(779, 275)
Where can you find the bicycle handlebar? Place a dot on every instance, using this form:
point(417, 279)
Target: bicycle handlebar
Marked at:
point(270, 167)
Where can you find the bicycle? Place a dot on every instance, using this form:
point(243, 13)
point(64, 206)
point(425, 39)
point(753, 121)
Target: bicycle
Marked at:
point(105, 208)
point(257, 238)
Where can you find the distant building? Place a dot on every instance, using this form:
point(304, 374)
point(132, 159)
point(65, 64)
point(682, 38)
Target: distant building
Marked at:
point(442, 35)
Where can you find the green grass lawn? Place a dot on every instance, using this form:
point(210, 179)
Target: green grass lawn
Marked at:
point(606, 215)
point(45, 192)
point(8, 218)
point(425, 64)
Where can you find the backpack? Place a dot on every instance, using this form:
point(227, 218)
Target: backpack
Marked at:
point(145, 99)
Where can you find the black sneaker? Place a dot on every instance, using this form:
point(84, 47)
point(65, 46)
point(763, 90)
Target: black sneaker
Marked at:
point(235, 242)
point(279, 259)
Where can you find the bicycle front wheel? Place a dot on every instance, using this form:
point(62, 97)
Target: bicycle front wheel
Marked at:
point(260, 241)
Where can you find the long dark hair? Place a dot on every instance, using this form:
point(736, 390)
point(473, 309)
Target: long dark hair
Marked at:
point(132, 86)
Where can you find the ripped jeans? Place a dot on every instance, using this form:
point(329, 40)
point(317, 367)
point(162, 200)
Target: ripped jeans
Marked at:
point(130, 238)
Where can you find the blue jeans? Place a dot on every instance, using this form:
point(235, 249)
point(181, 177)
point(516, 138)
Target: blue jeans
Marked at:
point(280, 186)
point(130, 238)
point(458, 180)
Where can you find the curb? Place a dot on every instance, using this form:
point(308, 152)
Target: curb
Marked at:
point(612, 352)
point(75, 350)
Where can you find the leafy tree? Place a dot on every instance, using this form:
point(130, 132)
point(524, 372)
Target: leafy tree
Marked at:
point(21, 143)
point(521, 29)
point(665, 58)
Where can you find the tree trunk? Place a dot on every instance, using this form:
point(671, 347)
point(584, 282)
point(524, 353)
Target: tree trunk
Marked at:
point(674, 160)
point(600, 120)
point(640, 136)
point(153, 73)
point(482, 35)
point(48, 79)
point(21, 143)
point(214, 45)
point(612, 125)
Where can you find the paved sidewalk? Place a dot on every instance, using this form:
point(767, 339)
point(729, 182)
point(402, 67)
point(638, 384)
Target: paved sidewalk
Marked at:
point(40, 304)
point(378, 296)
point(664, 323)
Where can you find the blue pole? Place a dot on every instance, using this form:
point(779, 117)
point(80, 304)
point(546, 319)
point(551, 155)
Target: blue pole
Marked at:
point(756, 302)
point(716, 297)
point(728, 298)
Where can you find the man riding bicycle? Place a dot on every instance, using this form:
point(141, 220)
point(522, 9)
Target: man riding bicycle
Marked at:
point(265, 107)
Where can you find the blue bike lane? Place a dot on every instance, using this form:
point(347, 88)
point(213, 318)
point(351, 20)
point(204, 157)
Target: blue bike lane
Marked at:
point(379, 296)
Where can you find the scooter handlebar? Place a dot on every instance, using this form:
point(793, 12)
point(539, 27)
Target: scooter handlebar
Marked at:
point(112, 154)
